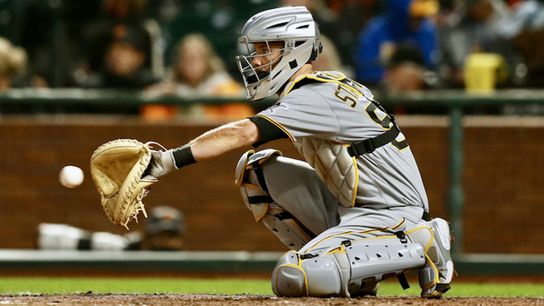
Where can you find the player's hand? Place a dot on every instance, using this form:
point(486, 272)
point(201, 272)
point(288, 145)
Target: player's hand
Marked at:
point(162, 163)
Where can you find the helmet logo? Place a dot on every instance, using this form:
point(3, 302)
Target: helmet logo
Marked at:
point(293, 64)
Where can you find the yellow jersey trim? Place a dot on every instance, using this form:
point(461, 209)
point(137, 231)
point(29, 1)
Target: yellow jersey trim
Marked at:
point(400, 223)
point(313, 76)
point(356, 187)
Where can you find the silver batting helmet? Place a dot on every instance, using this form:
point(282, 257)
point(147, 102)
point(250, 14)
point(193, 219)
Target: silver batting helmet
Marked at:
point(295, 27)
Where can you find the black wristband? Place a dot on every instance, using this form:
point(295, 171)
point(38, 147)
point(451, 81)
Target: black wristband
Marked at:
point(183, 156)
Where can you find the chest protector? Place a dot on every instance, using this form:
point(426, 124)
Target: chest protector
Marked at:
point(331, 160)
point(333, 165)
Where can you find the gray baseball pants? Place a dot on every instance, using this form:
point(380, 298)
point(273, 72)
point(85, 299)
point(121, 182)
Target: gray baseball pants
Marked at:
point(295, 186)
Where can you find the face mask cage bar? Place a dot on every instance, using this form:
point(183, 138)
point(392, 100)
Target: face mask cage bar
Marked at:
point(254, 76)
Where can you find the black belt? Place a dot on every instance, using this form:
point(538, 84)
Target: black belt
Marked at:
point(426, 216)
point(371, 144)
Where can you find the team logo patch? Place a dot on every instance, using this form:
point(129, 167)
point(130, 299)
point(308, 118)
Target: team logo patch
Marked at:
point(276, 106)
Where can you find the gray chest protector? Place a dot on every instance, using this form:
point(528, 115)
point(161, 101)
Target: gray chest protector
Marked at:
point(333, 165)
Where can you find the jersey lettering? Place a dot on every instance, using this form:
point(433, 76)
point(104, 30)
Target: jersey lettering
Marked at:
point(346, 95)
point(348, 91)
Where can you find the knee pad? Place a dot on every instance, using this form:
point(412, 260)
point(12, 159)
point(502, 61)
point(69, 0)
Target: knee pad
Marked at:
point(250, 178)
point(297, 276)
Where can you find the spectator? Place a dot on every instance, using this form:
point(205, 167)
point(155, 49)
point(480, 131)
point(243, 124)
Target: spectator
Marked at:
point(523, 15)
point(471, 28)
point(115, 15)
point(13, 62)
point(523, 31)
point(405, 22)
point(197, 71)
point(405, 71)
point(355, 16)
point(124, 62)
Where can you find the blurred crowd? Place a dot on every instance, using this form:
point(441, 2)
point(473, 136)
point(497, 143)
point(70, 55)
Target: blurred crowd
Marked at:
point(187, 48)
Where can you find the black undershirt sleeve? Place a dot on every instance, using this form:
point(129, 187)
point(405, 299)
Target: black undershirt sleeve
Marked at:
point(267, 130)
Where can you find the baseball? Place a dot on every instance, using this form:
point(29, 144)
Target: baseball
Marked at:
point(71, 176)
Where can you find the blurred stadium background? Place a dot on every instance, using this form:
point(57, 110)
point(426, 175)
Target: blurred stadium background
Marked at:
point(476, 142)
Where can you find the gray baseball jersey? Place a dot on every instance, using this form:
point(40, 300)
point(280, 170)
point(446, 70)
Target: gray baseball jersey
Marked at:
point(322, 114)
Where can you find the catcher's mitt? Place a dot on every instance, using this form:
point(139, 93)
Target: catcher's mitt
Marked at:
point(117, 168)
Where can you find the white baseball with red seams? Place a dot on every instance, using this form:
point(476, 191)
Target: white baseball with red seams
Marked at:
point(71, 176)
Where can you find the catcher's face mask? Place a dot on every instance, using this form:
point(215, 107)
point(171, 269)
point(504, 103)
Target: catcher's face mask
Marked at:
point(257, 66)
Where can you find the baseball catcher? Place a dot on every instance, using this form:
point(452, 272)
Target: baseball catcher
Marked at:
point(355, 210)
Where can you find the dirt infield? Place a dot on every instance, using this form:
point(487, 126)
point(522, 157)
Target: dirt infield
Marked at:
point(246, 300)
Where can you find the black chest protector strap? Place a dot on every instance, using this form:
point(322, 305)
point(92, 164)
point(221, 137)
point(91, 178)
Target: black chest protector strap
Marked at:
point(371, 144)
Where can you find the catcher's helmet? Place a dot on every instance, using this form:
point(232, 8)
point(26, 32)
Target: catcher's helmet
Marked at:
point(295, 27)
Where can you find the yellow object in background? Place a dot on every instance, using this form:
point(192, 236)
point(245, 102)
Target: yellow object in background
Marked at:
point(424, 8)
point(483, 71)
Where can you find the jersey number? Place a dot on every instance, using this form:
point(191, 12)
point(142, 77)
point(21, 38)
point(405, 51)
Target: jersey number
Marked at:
point(385, 122)
point(350, 94)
